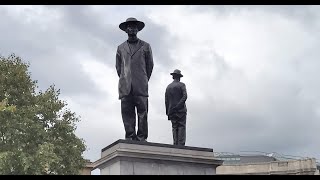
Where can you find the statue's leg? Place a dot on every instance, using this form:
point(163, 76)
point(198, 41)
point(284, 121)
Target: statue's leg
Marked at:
point(174, 131)
point(142, 111)
point(128, 117)
point(182, 130)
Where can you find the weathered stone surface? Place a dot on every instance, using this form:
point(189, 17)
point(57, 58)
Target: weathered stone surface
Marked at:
point(144, 158)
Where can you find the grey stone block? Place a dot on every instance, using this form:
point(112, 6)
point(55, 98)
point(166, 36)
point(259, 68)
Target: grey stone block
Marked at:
point(135, 158)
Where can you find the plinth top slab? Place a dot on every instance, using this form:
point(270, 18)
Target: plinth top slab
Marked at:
point(157, 144)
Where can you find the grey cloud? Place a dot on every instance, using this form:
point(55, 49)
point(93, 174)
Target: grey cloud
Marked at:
point(85, 20)
point(98, 39)
point(160, 40)
point(278, 125)
point(305, 14)
point(48, 54)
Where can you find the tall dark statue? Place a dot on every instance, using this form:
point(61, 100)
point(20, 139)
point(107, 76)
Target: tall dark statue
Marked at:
point(176, 109)
point(134, 64)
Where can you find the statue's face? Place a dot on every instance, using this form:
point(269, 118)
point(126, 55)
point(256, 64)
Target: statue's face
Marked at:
point(175, 76)
point(132, 29)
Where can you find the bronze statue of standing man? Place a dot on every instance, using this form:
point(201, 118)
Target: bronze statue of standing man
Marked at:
point(134, 64)
point(176, 109)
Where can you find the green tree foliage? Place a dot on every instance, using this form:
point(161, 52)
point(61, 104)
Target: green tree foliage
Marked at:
point(36, 129)
point(4, 106)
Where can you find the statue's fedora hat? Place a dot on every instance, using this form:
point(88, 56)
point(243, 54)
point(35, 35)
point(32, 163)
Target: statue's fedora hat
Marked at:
point(123, 25)
point(177, 72)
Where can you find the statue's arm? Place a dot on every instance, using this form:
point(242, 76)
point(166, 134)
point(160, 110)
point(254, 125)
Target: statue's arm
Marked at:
point(166, 101)
point(184, 96)
point(118, 62)
point(149, 62)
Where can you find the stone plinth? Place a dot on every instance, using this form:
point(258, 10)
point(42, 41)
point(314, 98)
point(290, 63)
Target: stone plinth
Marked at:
point(143, 158)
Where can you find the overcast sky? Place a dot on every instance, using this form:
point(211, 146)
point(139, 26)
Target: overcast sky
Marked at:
point(251, 72)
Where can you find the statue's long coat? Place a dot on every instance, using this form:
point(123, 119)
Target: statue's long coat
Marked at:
point(134, 69)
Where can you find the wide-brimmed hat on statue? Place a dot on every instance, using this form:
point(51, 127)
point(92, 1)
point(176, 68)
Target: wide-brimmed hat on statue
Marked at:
point(177, 72)
point(123, 25)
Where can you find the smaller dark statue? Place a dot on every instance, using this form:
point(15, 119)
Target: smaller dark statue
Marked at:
point(176, 110)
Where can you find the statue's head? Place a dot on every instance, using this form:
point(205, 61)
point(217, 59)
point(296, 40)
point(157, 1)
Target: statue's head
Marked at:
point(176, 74)
point(132, 26)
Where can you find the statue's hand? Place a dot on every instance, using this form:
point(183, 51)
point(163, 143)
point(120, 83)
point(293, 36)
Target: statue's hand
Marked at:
point(174, 109)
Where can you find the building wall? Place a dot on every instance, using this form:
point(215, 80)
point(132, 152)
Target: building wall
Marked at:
point(86, 171)
point(303, 166)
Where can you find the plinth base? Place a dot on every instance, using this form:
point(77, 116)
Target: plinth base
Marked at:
point(125, 157)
